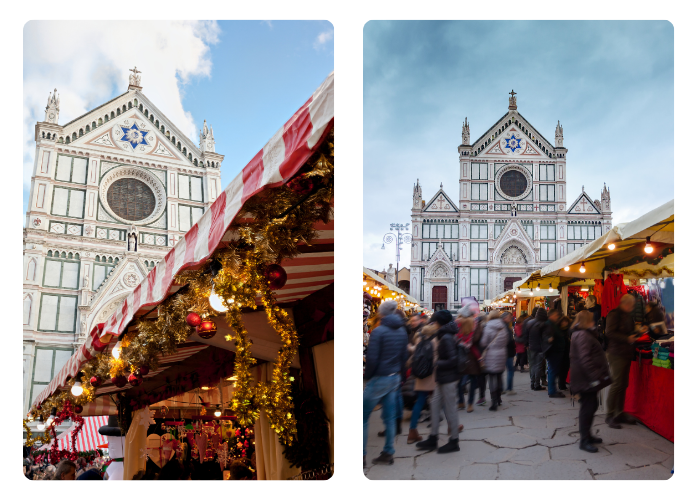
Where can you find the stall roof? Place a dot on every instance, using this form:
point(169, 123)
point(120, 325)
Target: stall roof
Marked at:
point(629, 237)
point(391, 287)
point(274, 165)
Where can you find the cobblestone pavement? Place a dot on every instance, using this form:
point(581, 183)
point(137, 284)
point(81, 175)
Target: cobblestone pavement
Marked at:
point(530, 437)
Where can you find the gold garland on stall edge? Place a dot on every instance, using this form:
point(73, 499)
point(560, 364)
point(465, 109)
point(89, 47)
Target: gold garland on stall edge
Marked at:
point(261, 238)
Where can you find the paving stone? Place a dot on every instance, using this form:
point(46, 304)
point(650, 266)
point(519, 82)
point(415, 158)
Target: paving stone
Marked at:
point(479, 471)
point(481, 434)
point(539, 433)
point(495, 421)
point(561, 420)
point(530, 456)
point(654, 472)
point(560, 438)
point(401, 469)
point(668, 463)
point(517, 440)
point(497, 456)
point(660, 444)
point(530, 422)
point(635, 455)
point(510, 470)
point(560, 469)
point(435, 466)
point(572, 452)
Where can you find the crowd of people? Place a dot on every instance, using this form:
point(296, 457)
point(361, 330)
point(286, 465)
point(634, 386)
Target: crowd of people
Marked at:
point(434, 362)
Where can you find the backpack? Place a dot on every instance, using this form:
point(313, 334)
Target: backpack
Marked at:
point(462, 357)
point(422, 364)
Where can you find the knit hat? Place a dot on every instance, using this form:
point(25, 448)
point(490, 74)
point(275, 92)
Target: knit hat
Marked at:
point(466, 312)
point(442, 317)
point(387, 308)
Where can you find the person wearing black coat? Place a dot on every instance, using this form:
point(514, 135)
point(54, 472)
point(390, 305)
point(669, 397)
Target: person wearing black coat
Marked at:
point(553, 347)
point(533, 328)
point(446, 378)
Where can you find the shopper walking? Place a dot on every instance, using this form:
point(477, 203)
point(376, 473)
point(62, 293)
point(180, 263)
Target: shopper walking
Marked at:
point(520, 342)
point(445, 393)
point(553, 345)
point(564, 366)
point(465, 322)
point(386, 357)
point(620, 332)
point(422, 386)
point(533, 330)
point(507, 317)
point(589, 374)
point(494, 343)
point(593, 307)
point(479, 380)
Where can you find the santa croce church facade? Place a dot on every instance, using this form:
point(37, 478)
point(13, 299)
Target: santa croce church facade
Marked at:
point(512, 216)
point(111, 193)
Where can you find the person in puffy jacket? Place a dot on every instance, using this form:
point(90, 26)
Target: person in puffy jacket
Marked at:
point(589, 374)
point(423, 386)
point(470, 335)
point(385, 360)
point(534, 330)
point(494, 343)
point(446, 379)
point(520, 342)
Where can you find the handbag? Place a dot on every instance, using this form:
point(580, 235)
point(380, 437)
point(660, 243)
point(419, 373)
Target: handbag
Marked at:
point(482, 361)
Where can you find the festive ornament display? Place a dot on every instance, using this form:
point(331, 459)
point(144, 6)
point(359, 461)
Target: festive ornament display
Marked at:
point(78, 409)
point(276, 276)
point(194, 319)
point(95, 381)
point(135, 379)
point(207, 329)
point(119, 380)
point(301, 185)
point(144, 370)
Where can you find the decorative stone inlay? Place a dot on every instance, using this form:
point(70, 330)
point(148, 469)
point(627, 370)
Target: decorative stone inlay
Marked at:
point(131, 280)
point(143, 175)
point(517, 168)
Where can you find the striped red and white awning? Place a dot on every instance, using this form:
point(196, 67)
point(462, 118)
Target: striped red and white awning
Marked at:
point(88, 438)
point(274, 165)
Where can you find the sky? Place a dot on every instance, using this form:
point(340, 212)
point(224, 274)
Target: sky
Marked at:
point(609, 83)
point(246, 78)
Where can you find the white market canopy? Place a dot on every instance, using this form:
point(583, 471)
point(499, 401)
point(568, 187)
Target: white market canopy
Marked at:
point(629, 239)
point(392, 288)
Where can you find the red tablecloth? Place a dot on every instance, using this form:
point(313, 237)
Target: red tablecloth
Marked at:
point(650, 397)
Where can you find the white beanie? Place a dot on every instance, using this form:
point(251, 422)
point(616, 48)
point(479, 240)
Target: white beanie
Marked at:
point(465, 312)
point(387, 308)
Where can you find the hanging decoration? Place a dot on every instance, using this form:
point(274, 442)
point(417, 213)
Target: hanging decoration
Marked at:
point(269, 228)
point(207, 329)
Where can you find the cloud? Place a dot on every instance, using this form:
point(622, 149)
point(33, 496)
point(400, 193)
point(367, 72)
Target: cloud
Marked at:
point(88, 62)
point(268, 23)
point(323, 38)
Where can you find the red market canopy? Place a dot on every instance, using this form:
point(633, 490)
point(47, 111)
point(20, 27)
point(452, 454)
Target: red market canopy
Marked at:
point(274, 165)
point(88, 438)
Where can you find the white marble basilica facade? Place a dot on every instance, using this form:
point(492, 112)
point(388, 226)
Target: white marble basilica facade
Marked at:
point(512, 216)
point(111, 192)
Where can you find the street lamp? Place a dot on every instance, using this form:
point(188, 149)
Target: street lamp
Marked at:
point(403, 235)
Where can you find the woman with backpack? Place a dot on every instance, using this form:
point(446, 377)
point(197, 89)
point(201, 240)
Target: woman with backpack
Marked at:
point(423, 359)
point(494, 343)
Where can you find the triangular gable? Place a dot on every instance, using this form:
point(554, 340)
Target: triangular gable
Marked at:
point(529, 148)
point(440, 203)
point(512, 230)
point(583, 205)
point(513, 143)
point(123, 278)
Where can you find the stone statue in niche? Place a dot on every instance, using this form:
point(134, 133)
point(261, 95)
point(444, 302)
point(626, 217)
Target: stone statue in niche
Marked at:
point(134, 77)
point(513, 210)
point(132, 242)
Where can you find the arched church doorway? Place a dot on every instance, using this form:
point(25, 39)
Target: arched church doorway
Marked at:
point(439, 298)
point(508, 283)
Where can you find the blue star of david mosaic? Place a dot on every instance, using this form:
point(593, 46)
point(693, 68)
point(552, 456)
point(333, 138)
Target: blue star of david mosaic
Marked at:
point(512, 143)
point(134, 136)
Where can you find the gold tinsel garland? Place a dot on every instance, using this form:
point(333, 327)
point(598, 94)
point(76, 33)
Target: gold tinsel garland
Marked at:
point(269, 228)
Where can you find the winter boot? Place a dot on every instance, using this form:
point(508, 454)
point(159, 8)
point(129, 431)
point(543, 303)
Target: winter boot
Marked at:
point(429, 444)
point(494, 405)
point(413, 436)
point(384, 458)
point(586, 445)
point(470, 408)
point(451, 446)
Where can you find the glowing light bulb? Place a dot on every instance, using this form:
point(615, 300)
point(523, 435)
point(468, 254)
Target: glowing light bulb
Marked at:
point(215, 301)
point(117, 350)
point(531, 292)
point(217, 412)
point(582, 269)
point(77, 389)
point(566, 268)
point(40, 426)
point(550, 288)
point(611, 246)
point(538, 287)
point(648, 248)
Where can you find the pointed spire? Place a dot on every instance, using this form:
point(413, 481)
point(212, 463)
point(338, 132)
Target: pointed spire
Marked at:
point(206, 139)
point(52, 107)
point(512, 100)
point(559, 135)
point(465, 132)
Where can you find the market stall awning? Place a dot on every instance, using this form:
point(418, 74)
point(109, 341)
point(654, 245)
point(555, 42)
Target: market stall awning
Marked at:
point(629, 239)
point(274, 165)
point(392, 288)
point(88, 438)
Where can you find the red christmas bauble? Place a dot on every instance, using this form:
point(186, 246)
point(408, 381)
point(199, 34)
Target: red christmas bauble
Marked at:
point(135, 379)
point(78, 409)
point(301, 185)
point(95, 381)
point(194, 319)
point(276, 276)
point(119, 380)
point(143, 371)
point(207, 329)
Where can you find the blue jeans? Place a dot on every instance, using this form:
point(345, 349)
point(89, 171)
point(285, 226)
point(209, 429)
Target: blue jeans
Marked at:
point(552, 372)
point(421, 398)
point(476, 382)
point(511, 372)
point(460, 388)
point(399, 403)
point(380, 390)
